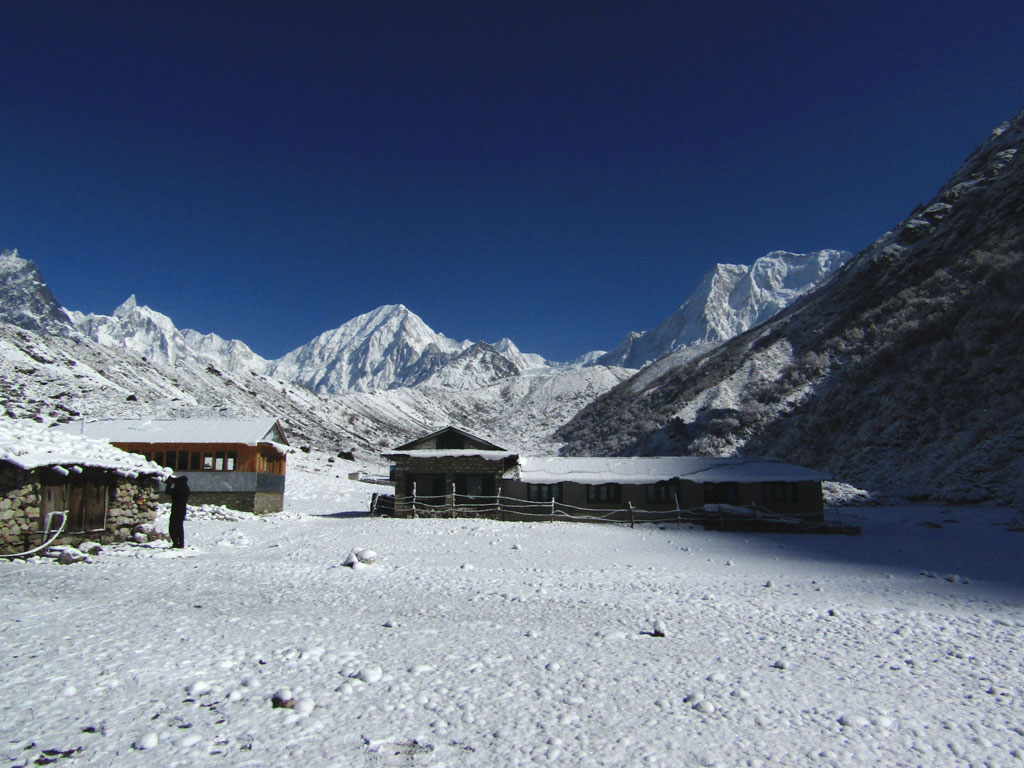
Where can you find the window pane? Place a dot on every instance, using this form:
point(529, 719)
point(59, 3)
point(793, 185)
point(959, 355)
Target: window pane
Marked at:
point(232, 461)
point(207, 461)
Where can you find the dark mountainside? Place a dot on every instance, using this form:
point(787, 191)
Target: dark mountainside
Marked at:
point(902, 374)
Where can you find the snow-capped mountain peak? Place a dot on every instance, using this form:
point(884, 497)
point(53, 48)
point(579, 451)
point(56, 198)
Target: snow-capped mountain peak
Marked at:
point(126, 307)
point(153, 336)
point(387, 347)
point(25, 300)
point(731, 299)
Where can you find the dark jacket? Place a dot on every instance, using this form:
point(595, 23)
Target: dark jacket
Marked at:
point(178, 490)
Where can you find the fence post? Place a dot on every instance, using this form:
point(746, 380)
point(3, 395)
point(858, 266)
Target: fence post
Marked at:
point(414, 501)
point(453, 500)
point(552, 510)
point(679, 514)
point(632, 517)
point(497, 502)
point(373, 505)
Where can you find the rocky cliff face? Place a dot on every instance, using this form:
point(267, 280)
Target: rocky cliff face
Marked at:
point(729, 300)
point(902, 373)
point(25, 300)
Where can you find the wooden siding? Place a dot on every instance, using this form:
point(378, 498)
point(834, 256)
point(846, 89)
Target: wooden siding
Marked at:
point(249, 458)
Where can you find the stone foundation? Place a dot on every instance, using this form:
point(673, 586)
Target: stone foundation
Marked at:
point(258, 503)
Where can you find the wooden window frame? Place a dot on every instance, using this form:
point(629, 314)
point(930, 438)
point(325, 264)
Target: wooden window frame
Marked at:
point(544, 492)
point(605, 493)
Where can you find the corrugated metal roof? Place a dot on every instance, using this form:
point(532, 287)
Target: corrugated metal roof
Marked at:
point(239, 431)
point(547, 470)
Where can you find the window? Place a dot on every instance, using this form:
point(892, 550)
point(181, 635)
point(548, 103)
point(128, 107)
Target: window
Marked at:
point(197, 460)
point(536, 492)
point(207, 461)
point(721, 493)
point(601, 494)
point(218, 461)
point(431, 488)
point(159, 458)
point(780, 492)
point(232, 461)
point(663, 492)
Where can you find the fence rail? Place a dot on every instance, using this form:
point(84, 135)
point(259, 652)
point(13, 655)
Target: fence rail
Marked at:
point(713, 516)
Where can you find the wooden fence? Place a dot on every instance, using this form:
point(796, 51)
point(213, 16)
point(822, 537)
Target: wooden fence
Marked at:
point(724, 517)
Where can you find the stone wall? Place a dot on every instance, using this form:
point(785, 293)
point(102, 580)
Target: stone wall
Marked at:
point(258, 503)
point(448, 467)
point(19, 509)
point(131, 505)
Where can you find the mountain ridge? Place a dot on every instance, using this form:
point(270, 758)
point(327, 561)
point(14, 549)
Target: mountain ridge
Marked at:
point(729, 300)
point(901, 373)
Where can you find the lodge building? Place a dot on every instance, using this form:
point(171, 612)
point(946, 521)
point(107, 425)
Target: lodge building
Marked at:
point(453, 468)
point(238, 463)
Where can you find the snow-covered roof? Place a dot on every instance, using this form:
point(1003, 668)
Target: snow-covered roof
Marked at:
point(451, 453)
point(547, 470)
point(29, 445)
point(235, 431)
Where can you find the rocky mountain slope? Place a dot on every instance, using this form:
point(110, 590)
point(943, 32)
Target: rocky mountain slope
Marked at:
point(729, 300)
point(902, 373)
point(57, 366)
point(68, 376)
point(27, 300)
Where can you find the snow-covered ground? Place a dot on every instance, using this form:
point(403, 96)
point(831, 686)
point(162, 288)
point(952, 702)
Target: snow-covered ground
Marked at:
point(478, 643)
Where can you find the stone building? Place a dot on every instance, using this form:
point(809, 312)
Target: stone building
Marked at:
point(237, 463)
point(446, 466)
point(100, 493)
point(451, 469)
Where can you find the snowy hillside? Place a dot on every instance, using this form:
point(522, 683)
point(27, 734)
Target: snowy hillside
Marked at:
point(66, 365)
point(57, 377)
point(901, 374)
point(732, 298)
point(482, 644)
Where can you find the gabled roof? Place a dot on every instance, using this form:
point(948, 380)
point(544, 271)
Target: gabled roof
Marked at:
point(451, 453)
point(477, 442)
point(233, 431)
point(31, 446)
point(548, 470)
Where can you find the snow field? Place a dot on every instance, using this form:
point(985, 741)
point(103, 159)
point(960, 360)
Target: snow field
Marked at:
point(478, 643)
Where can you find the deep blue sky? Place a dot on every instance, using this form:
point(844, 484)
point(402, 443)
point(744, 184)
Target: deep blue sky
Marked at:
point(559, 173)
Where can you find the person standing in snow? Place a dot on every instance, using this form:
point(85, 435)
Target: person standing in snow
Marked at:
point(178, 490)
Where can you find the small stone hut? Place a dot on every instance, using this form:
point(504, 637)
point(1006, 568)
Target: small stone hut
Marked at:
point(450, 461)
point(104, 493)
